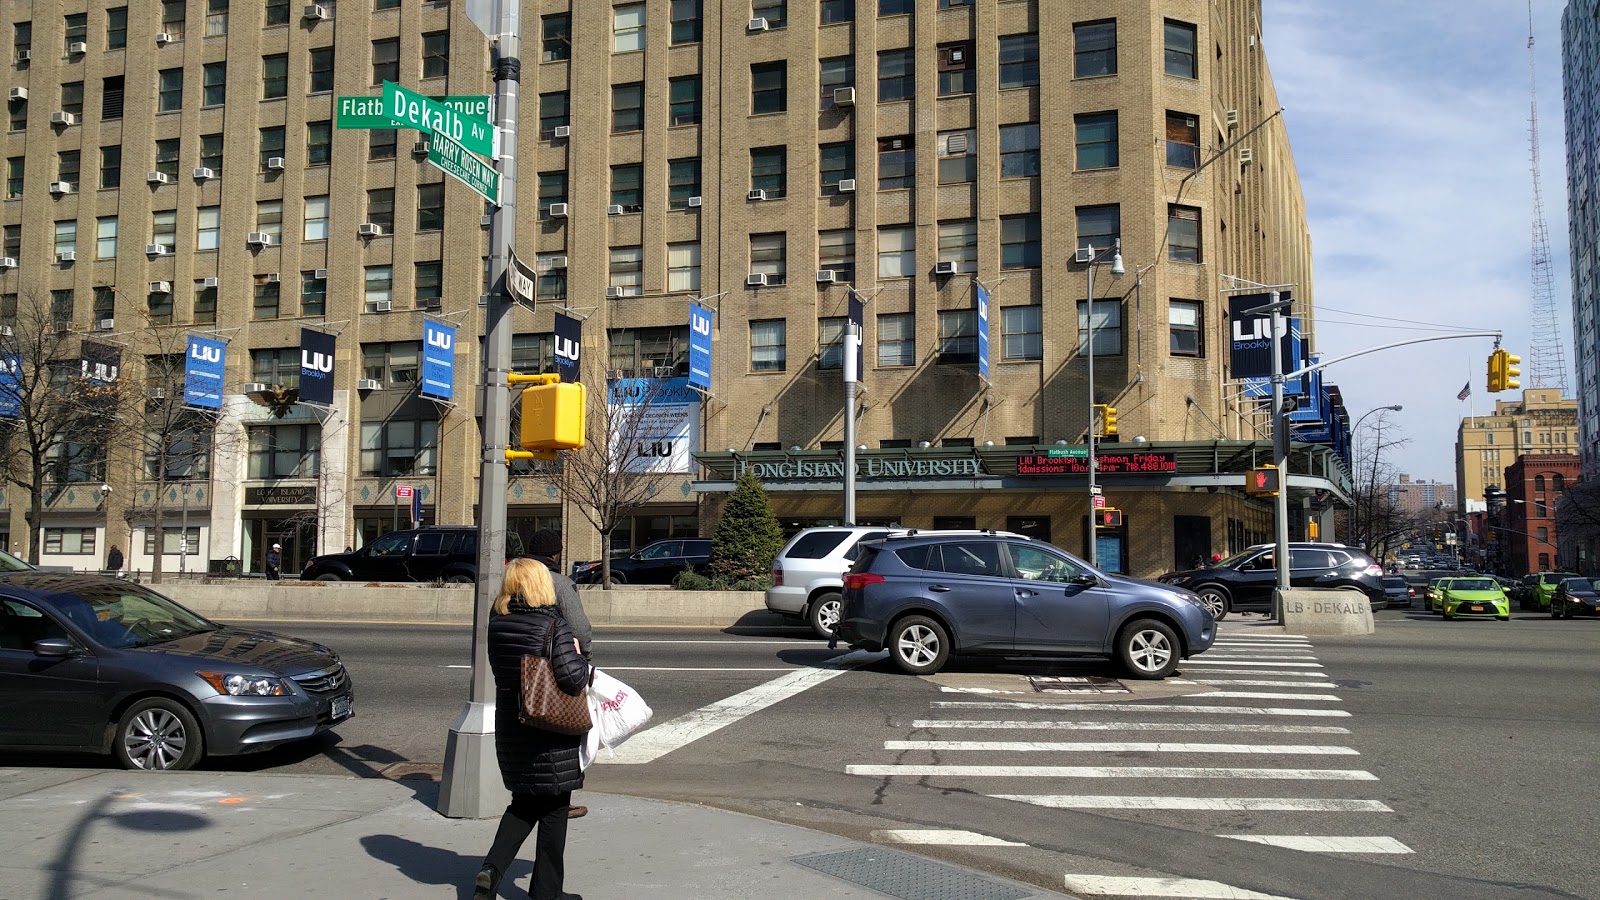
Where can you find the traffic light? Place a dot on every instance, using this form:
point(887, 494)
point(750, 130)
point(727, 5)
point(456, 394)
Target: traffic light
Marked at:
point(1110, 418)
point(1497, 379)
point(1509, 373)
point(553, 417)
point(1107, 517)
point(1263, 481)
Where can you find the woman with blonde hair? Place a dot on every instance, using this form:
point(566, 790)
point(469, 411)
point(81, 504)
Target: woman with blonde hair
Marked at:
point(540, 767)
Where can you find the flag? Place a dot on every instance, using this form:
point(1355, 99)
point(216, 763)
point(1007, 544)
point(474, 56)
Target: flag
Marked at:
point(1466, 391)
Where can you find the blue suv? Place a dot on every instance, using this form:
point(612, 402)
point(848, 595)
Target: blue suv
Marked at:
point(925, 596)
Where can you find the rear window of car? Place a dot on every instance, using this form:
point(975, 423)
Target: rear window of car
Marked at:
point(913, 557)
point(435, 543)
point(864, 562)
point(855, 549)
point(816, 545)
point(694, 548)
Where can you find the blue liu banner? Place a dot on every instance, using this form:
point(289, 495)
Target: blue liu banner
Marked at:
point(700, 324)
point(438, 359)
point(203, 366)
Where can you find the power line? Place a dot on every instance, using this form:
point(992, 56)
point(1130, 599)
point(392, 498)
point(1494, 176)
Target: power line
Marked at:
point(1351, 312)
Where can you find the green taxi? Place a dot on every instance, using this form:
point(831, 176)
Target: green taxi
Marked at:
point(1432, 593)
point(1473, 598)
point(1545, 587)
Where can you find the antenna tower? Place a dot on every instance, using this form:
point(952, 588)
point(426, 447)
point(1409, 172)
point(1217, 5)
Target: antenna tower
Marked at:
point(1547, 364)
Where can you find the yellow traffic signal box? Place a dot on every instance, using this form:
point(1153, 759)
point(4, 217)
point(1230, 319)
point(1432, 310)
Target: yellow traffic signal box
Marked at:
point(553, 416)
point(1263, 481)
point(1509, 373)
point(1111, 421)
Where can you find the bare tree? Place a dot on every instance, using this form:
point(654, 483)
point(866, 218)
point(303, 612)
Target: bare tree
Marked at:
point(1378, 523)
point(1578, 521)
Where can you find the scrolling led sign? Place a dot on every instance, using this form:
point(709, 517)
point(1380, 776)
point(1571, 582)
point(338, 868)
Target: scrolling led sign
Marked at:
point(1113, 463)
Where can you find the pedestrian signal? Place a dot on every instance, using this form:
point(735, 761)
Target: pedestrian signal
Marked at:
point(1108, 518)
point(1262, 481)
point(553, 417)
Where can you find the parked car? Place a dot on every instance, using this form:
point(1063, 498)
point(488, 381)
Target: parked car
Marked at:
point(1575, 597)
point(434, 553)
point(1434, 592)
point(94, 663)
point(1544, 588)
point(1397, 592)
point(1246, 580)
point(655, 563)
point(1473, 598)
point(808, 573)
point(925, 597)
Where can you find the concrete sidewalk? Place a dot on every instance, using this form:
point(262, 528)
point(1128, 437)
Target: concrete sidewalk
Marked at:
point(93, 833)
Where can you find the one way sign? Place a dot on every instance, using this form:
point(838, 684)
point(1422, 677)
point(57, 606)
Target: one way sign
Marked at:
point(520, 280)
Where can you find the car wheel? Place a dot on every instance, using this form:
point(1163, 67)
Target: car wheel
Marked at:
point(1503, 618)
point(159, 735)
point(1216, 602)
point(459, 579)
point(1148, 649)
point(618, 578)
point(1555, 613)
point(919, 645)
point(329, 576)
point(823, 614)
point(1566, 613)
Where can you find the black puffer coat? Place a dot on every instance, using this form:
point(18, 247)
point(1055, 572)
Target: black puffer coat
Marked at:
point(532, 760)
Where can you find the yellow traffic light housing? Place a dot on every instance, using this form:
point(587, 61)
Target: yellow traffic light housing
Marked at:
point(1108, 517)
point(1263, 481)
point(553, 417)
point(1497, 379)
point(1509, 373)
point(1110, 420)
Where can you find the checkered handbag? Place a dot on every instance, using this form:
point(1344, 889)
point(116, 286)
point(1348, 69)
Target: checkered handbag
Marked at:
point(544, 704)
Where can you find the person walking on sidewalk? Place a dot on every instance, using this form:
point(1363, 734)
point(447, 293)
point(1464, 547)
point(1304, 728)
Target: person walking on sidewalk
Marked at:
point(544, 546)
point(275, 562)
point(540, 768)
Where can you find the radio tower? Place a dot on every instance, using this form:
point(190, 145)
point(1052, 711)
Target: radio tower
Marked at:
point(1547, 364)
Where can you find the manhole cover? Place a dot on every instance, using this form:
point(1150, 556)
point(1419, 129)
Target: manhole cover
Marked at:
point(1077, 684)
point(414, 772)
point(908, 877)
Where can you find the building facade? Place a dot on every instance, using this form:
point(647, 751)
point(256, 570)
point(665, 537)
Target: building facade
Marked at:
point(1541, 423)
point(1534, 485)
point(1422, 495)
point(1580, 71)
point(774, 158)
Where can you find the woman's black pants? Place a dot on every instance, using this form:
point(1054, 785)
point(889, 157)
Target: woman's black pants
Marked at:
point(549, 812)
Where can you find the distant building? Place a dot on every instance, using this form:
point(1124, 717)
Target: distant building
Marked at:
point(1533, 484)
point(1580, 52)
point(1421, 495)
point(1542, 422)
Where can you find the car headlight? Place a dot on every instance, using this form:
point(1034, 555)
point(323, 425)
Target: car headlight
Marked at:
point(235, 685)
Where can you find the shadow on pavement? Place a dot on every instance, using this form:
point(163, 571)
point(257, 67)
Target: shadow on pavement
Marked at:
point(431, 865)
point(154, 821)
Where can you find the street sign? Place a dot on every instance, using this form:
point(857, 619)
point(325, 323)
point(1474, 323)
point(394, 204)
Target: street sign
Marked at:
point(454, 159)
point(1069, 452)
point(410, 109)
point(1099, 501)
point(520, 280)
point(367, 112)
point(402, 490)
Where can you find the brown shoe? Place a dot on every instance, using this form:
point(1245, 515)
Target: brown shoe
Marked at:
point(577, 812)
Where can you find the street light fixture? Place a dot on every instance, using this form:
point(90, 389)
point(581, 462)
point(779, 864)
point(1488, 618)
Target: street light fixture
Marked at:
point(1117, 271)
point(1372, 483)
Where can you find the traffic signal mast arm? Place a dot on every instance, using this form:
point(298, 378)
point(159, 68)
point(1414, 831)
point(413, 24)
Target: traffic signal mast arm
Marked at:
point(1421, 340)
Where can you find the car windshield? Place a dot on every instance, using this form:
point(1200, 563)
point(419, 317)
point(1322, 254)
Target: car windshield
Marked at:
point(1578, 584)
point(122, 615)
point(1473, 584)
point(9, 563)
point(1557, 577)
point(1394, 581)
point(1233, 561)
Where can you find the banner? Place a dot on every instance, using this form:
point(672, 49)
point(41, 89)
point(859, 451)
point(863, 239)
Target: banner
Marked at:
point(700, 326)
point(203, 368)
point(858, 316)
point(102, 363)
point(660, 417)
point(1250, 345)
point(438, 359)
point(1294, 358)
point(983, 333)
point(316, 366)
point(569, 348)
point(11, 386)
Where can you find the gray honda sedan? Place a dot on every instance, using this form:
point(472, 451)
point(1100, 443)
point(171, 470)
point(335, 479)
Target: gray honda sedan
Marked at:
point(94, 663)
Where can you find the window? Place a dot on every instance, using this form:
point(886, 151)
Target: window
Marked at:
point(627, 28)
point(208, 228)
point(956, 72)
point(1019, 150)
point(379, 286)
point(70, 541)
point(381, 143)
point(14, 170)
point(205, 304)
point(271, 145)
point(769, 87)
point(285, 451)
point(67, 166)
point(274, 76)
point(1538, 484)
point(683, 266)
point(105, 305)
point(173, 13)
point(18, 114)
point(958, 336)
point(1099, 226)
point(1094, 49)
point(380, 208)
point(897, 251)
point(895, 7)
point(769, 256)
point(686, 21)
point(1019, 242)
point(897, 163)
point(111, 95)
point(958, 243)
point(769, 170)
point(77, 31)
point(1097, 140)
point(958, 157)
point(436, 54)
point(1183, 140)
point(321, 70)
point(769, 345)
point(836, 72)
point(1183, 233)
point(164, 228)
point(1558, 483)
point(834, 11)
point(267, 297)
point(836, 251)
point(896, 75)
point(280, 366)
point(830, 342)
point(555, 41)
point(776, 12)
point(429, 284)
point(627, 108)
point(171, 545)
point(385, 60)
point(837, 162)
point(1542, 533)
point(313, 294)
point(1541, 509)
point(105, 237)
point(61, 305)
point(1183, 322)
point(897, 340)
point(269, 218)
point(1022, 333)
point(22, 37)
point(627, 187)
point(216, 17)
point(552, 113)
point(430, 206)
point(277, 12)
point(319, 143)
point(167, 157)
point(117, 28)
point(13, 246)
point(169, 93)
point(1019, 60)
point(552, 189)
point(1181, 59)
point(72, 97)
point(627, 270)
point(316, 221)
point(638, 349)
point(214, 84)
point(552, 285)
point(685, 99)
point(533, 353)
point(211, 152)
point(683, 182)
point(1107, 328)
point(158, 305)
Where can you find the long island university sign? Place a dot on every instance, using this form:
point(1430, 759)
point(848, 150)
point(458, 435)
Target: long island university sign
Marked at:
point(833, 470)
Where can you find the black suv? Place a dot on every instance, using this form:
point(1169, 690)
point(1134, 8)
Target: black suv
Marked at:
point(656, 563)
point(435, 553)
point(1246, 580)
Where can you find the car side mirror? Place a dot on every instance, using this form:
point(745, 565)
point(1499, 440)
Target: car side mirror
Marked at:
point(52, 647)
point(1083, 580)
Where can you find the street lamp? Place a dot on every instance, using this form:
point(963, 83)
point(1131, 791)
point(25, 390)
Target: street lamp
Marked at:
point(1117, 271)
point(1372, 483)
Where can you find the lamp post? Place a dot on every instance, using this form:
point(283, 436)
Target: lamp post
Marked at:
point(1117, 271)
point(1372, 483)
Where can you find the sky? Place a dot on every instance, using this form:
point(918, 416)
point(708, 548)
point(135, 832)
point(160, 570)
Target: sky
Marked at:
point(1409, 125)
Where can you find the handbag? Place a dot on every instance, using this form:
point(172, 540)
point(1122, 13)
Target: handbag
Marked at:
point(617, 710)
point(544, 704)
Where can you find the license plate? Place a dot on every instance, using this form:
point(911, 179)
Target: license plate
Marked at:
point(341, 708)
point(1475, 608)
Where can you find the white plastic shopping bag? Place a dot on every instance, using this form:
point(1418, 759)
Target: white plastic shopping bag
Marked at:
point(616, 709)
point(590, 748)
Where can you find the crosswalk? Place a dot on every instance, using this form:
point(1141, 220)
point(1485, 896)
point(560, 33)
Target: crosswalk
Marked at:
point(1254, 754)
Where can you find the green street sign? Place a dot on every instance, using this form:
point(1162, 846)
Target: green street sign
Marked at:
point(454, 160)
point(367, 112)
point(410, 109)
point(1068, 452)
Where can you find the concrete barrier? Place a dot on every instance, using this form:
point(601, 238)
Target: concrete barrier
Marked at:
point(1325, 611)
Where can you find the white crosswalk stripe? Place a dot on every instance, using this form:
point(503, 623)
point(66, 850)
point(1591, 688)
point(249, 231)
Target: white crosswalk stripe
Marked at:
point(1242, 804)
point(1275, 664)
point(1313, 844)
point(1245, 682)
point(1271, 695)
point(1116, 772)
point(1120, 747)
point(1275, 673)
point(1189, 888)
point(1150, 707)
point(1128, 726)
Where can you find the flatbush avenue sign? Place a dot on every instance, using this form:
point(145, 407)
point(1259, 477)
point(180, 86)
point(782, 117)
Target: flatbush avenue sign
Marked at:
point(833, 470)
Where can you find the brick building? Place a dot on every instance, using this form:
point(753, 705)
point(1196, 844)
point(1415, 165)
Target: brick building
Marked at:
point(1533, 486)
point(1541, 422)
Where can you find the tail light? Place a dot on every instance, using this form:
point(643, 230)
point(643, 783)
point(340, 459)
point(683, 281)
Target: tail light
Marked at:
point(1411, 592)
point(855, 581)
point(1375, 569)
point(777, 576)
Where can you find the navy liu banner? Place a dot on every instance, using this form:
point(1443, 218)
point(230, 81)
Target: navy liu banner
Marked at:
point(101, 363)
point(569, 348)
point(1250, 340)
point(316, 366)
point(699, 347)
point(203, 366)
point(438, 359)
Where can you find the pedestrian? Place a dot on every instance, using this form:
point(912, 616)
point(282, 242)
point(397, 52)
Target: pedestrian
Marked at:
point(275, 562)
point(1199, 561)
point(1216, 558)
point(544, 546)
point(114, 559)
point(540, 768)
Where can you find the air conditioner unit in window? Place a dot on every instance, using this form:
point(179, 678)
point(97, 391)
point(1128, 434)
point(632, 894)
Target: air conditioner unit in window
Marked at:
point(315, 12)
point(755, 279)
point(382, 305)
point(273, 278)
point(561, 132)
point(275, 164)
point(432, 303)
point(107, 325)
point(827, 276)
point(1232, 117)
point(368, 384)
point(319, 274)
point(758, 24)
point(845, 96)
point(156, 250)
point(8, 262)
point(7, 331)
point(486, 221)
point(253, 387)
point(210, 281)
point(203, 173)
point(663, 371)
point(258, 239)
point(695, 202)
point(77, 48)
point(63, 328)
point(420, 148)
point(1246, 156)
point(24, 56)
point(847, 185)
point(368, 229)
point(63, 118)
point(17, 93)
point(160, 287)
point(158, 393)
point(60, 187)
point(67, 256)
point(1083, 256)
point(614, 209)
point(157, 178)
point(554, 262)
point(944, 268)
point(756, 196)
point(558, 210)
point(163, 39)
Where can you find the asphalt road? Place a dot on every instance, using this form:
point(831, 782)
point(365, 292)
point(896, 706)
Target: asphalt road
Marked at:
point(1475, 739)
